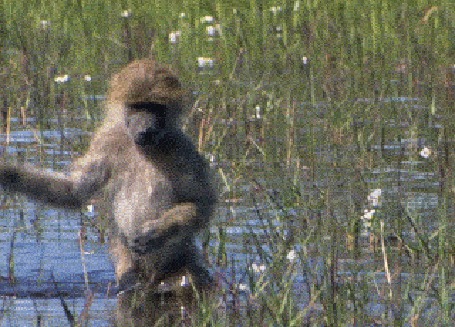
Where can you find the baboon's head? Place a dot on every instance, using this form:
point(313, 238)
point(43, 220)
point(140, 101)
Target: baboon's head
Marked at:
point(147, 96)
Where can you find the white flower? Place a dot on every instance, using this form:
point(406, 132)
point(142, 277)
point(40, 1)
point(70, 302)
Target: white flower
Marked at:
point(243, 287)
point(425, 153)
point(205, 62)
point(374, 198)
point(368, 214)
point(258, 268)
point(87, 78)
point(275, 10)
point(45, 24)
point(182, 15)
point(174, 36)
point(211, 30)
point(207, 19)
point(126, 13)
point(258, 112)
point(305, 60)
point(291, 255)
point(62, 79)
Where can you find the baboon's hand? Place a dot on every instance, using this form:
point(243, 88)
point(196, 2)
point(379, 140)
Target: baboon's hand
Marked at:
point(174, 223)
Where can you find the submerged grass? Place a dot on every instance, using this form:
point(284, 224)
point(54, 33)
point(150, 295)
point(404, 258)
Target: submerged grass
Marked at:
point(306, 107)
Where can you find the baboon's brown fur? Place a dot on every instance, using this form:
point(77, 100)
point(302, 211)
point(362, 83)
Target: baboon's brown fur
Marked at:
point(155, 188)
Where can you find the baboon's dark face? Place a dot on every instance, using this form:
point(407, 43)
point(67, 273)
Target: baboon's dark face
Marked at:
point(145, 117)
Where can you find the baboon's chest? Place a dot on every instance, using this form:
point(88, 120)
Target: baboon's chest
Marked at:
point(140, 197)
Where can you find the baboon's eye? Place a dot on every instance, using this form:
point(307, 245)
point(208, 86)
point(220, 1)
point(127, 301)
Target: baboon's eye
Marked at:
point(148, 106)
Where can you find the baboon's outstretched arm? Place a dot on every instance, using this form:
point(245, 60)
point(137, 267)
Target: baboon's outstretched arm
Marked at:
point(54, 188)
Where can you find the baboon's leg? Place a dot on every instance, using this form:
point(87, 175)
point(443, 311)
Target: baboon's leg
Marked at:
point(145, 307)
point(186, 259)
point(200, 276)
point(125, 267)
point(131, 309)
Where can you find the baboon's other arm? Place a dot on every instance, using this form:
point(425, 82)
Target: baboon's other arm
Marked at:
point(173, 222)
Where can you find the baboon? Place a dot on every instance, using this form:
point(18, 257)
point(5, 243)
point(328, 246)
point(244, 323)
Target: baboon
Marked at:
point(153, 185)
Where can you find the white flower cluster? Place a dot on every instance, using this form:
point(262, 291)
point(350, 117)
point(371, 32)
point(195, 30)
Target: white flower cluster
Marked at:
point(205, 62)
point(61, 79)
point(174, 37)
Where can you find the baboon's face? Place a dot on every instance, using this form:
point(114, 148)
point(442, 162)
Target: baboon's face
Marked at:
point(151, 96)
point(150, 127)
point(151, 100)
point(143, 117)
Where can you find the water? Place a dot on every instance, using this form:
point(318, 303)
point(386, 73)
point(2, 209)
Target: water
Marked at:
point(46, 251)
